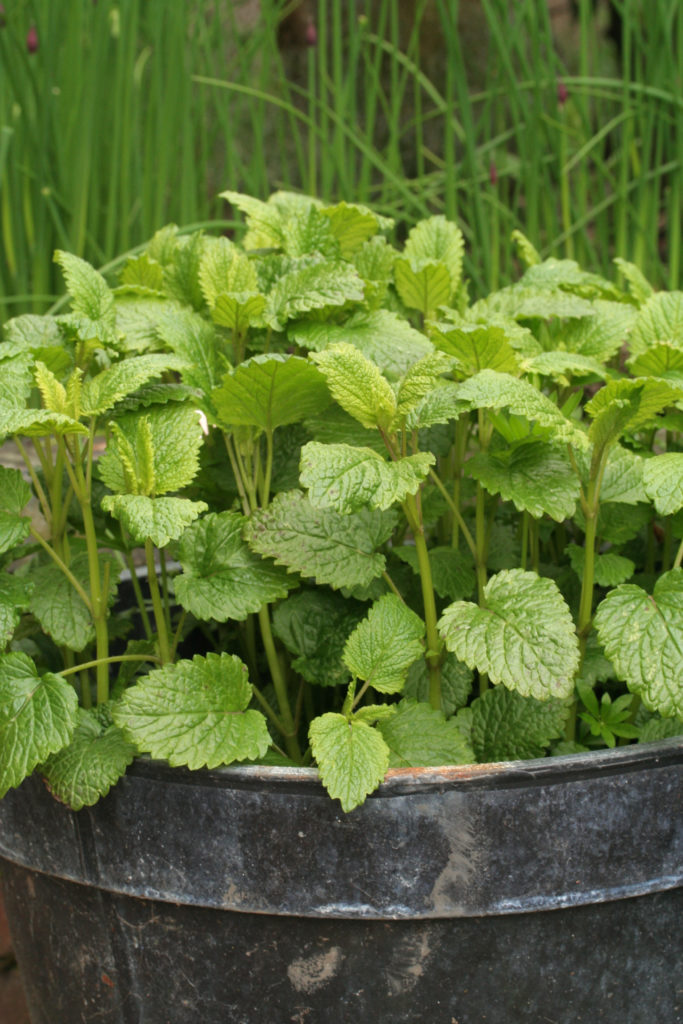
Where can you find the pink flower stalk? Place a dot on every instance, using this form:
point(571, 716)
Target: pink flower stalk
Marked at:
point(311, 34)
point(32, 39)
point(562, 93)
point(3, 19)
point(493, 173)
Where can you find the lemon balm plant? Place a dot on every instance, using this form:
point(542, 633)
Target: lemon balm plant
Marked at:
point(411, 530)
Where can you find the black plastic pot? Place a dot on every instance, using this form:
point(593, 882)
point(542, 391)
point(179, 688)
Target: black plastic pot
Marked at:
point(539, 891)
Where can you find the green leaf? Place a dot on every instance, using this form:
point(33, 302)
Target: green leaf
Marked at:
point(91, 764)
point(418, 736)
point(524, 636)
point(160, 520)
point(383, 337)
point(568, 276)
point(660, 319)
point(221, 578)
point(357, 385)
point(143, 272)
point(491, 390)
point(526, 250)
point(439, 240)
point(657, 728)
point(524, 302)
point(441, 405)
point(163, 443)
point(610, 569)
point(626, 405)
point(661, 360)
point(639, 287)
point(420, 379)
point(314, 626)
point(16, 380)
point(192, 338)
point(351, 225)
point(36, 422)
point(181, 274)
point(194, 713)
point(138, 318)
point(346, 479)
point(452, 572)
point(601, 335)
point(37, 717)
point(33, 332)
point(352, 758)
point(476, 347)
point(384, 645)
point(456, 683)
point(270, 391)
point(15, 594)
point(509, 727)
point(224, 268)
point(663, 479)
point(334, 426)
point(315, 286)
point(91, 297)
point(564, 366)
point(424, 288)
point(319, 543)
point(643, 637)
point(102, 392)
point(14, 496)
point(58, 606)
point(537, 478)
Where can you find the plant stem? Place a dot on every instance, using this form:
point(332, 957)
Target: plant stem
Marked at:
point(434, 644)
point(157, 604)
point(65, 569)
point(280, 684)
point(109, 661)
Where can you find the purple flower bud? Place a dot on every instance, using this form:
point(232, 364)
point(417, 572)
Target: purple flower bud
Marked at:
point(493, 173)
point(562, 93)
point(311, 34)
point(3, 19)
point(32, 39)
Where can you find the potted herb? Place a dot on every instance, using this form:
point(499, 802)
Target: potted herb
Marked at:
point(373, 535)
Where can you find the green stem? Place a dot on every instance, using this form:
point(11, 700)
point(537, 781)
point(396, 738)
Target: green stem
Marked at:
point(679, 557)
point(434, 645)
point(456, 514)
point(82, 593)
point(177, 634)
point(157, 604)
point(280, 684)
point(37, 486)
point(109, 661)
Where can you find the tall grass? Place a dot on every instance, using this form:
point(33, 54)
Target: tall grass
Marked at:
point(134, 114)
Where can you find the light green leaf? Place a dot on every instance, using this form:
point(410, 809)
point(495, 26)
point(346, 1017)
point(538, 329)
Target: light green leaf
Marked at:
point(441, 405)
point(357, 385)
point(609, 570)
point(626, 405)
point(143, 273)
point(657, 728)
point(91, 764)
point(491, 390)
point(315, 286)
point(337, 549)
point(15, 593)
point(192, 338)
point(568, 276)
point(16, 380)
point(524, 637)
point(138, 318)
point(33, 332)
point(160, 520)
point(456, 683)
point(452, 572)
point(509, 727)
point(537, 478)
point(334, 426)
point(526, 250)
point(36, 422)
point(643, 637)
point(476, 347)
point(352, 758)
point(264, 220)
point(564, 366)
point(224, 268)
point(436, 239)
point(639, 286)
point(661, 360)
point(383, 337)
point(14, 496)
point(102, 392)
point(374, 261)
point(659, 319)
point(524, 302)
point(314, 626)
point(424, 289)
point(663, 479)
point(622, 479)
point(221, 578)
point(418, 736)
point(421, 378)
point(601, 335)
point(53, 392)
point(351, 225)
point(58, 606)
point(181, 274)
point(91, 297)
point(37, 717)
point(239, 311)
point(384, 645)
point(270, 391)
point(346, 479)
point(163, 442)
point(194, 713)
